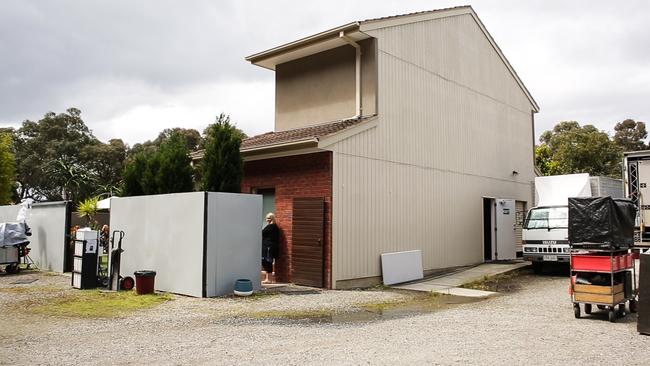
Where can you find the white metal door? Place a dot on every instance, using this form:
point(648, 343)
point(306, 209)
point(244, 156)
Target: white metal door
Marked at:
point(505, 227)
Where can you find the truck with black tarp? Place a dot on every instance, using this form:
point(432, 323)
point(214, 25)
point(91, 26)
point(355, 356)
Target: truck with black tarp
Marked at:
point(545, 230)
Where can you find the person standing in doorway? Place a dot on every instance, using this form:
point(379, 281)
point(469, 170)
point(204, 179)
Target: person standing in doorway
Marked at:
point(270, 238)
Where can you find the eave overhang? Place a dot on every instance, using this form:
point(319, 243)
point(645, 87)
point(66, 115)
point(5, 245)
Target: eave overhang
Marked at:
point(303, 47)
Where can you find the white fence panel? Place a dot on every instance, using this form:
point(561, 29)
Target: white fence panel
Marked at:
point(49, 224)
point(163, 233)
point(234, 241)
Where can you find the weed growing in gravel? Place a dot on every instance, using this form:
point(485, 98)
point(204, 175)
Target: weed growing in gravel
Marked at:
point(507, 282)
point(288, 314)
point(425, 301)
point(99, 304)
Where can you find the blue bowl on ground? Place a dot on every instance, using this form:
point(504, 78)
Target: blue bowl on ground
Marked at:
point(243, 287)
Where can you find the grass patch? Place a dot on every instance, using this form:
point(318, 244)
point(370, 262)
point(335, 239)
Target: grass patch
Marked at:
point(98, 304)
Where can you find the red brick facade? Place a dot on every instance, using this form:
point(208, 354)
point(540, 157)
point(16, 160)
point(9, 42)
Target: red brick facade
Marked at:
point(308, 175)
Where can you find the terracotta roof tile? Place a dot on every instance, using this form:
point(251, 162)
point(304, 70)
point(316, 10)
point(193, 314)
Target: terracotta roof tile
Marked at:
point(299, 134)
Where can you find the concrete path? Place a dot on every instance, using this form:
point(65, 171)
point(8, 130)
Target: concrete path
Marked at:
point(450, 283)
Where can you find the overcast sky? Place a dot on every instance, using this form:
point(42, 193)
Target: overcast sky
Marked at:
point(137, 67)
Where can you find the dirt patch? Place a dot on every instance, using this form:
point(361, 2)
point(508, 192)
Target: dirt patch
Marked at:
point(408, 304)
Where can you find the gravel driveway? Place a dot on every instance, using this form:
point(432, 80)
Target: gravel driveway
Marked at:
point(533, 326)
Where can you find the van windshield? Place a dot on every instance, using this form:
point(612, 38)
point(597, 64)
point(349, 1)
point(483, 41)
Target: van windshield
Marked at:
point(547, 218)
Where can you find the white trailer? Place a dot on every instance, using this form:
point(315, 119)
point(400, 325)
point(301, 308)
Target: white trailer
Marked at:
point(636, 176)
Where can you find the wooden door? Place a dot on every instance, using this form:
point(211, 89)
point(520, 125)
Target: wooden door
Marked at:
point(307, 242)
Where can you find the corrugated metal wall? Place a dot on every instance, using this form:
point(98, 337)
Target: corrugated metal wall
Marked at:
point(452, 127)
point(606, 186)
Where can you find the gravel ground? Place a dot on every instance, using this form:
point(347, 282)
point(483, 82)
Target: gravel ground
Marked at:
point(533, 326)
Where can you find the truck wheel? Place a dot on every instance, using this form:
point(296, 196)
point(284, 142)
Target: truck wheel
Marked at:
point(537, 267)
point(587, 308)
point(576, 310)
point(621, 309)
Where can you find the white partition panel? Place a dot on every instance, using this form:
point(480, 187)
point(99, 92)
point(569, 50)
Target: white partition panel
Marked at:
point(399, 267)
point(234, 241)
point(8, 213)
point(49, 224)
point(163, 233)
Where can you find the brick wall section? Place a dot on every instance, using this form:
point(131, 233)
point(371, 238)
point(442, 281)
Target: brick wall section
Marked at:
point(308, 175)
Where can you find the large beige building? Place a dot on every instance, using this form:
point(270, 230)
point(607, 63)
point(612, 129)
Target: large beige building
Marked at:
point(392, 134)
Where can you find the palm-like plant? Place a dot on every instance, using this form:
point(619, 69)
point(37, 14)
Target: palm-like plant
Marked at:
point(88, 209)
point(71, 177)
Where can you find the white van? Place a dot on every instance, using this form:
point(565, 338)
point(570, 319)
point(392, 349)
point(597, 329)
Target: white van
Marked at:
point(546, 235)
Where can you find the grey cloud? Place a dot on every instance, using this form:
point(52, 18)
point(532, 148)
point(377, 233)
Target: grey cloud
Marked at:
point(580, 59)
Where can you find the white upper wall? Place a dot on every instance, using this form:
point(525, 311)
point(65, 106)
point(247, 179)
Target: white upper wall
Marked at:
point(447, 100)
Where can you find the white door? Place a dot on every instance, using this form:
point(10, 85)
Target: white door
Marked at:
point(505, 227)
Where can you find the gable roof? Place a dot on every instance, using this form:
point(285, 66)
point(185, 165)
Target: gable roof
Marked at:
point(303, 134)
point(356, 31)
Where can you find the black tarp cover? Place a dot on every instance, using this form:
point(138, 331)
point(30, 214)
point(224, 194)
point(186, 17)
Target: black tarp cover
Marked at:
point(601, 220)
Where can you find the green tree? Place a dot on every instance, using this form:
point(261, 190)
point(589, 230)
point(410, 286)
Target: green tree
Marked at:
point(106, 161)
point(190, 136)
point(570, 148)
point(39, 145)
point(59, 158)
point(166, 169)
point(174, 171)
point(72, 178)
point(133, 172)
point(630, 135)
point(222, 165)
point(7, 169)
point(544, 160)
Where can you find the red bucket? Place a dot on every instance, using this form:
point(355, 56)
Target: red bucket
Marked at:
point(144, 282)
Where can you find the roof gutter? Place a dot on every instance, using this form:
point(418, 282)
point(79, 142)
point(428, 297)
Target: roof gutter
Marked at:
point(357, 70)
point(287, 145)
